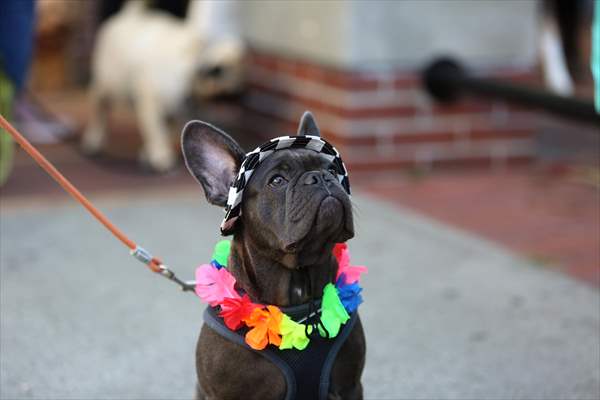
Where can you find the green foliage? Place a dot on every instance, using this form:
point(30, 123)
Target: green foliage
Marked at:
point(6, 143)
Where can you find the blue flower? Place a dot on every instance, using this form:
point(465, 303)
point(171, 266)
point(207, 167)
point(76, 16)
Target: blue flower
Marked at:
point(349, 294)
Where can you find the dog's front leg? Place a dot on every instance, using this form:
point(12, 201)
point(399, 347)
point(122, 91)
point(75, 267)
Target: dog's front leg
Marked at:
point(94, 137)
point(228, 371)
point(150, 113)
point(348, 367)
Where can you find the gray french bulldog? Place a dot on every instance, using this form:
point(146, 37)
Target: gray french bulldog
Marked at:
point(294, 211)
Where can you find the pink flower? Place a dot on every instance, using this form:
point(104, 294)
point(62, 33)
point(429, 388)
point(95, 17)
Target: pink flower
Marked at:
point(214, 285)
point(351, 272)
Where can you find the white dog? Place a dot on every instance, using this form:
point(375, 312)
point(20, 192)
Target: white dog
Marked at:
point(157, 60)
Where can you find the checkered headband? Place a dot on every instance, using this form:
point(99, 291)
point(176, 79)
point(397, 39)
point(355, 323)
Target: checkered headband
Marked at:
point(233, 210)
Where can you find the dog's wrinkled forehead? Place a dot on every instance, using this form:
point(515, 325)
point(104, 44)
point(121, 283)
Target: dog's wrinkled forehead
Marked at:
point(291, 161)
point(253, 160)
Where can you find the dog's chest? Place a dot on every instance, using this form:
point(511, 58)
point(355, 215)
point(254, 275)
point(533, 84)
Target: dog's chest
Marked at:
point(306, 373)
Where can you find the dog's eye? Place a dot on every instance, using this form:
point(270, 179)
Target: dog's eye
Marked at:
point(277, 180)
point(215, 72)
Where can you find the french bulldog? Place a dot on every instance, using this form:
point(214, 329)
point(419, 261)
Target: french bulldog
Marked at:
point(294, 211)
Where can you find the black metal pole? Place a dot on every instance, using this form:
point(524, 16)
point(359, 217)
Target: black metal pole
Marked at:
point(446, 80)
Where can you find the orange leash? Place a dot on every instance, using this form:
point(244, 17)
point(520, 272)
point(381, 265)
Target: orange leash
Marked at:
point(138, 252)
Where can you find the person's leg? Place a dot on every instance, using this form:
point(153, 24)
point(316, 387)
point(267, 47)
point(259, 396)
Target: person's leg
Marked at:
point(16, 40)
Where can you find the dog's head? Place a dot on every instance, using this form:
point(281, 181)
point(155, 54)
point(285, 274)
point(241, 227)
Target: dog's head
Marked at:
point(293, 206)
point(220, 69)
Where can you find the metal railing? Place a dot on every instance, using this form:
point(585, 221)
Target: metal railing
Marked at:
point(447, 81)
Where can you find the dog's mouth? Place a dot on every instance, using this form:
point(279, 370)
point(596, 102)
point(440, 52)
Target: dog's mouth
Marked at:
point(330, 215)
point(328, 225)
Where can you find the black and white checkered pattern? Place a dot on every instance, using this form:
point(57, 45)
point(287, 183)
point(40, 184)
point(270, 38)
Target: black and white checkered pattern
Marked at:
point(233, 210)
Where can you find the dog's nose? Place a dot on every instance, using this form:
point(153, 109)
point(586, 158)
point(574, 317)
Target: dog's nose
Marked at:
point(316, 177)
point(312, 178)
point(327, 177)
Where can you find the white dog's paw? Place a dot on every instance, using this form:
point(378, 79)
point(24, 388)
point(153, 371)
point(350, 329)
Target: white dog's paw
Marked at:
point(92, 142)
point(160, 161)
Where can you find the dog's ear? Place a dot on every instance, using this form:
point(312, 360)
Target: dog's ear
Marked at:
point(212, 157)
point(308, 125)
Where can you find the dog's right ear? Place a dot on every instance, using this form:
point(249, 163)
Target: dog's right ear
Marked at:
point(308, 125)
point(212, 157)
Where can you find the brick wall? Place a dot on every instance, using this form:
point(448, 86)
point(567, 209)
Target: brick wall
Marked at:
point(381, 120)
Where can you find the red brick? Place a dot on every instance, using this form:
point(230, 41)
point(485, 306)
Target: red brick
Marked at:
point(589, 273)
point(482, 162)
point(363, 140)
point(532, 77)
point(497, 134)
point(377, 164)
point(461, 107)
point(286, 66)
point(404, 80)
point(546, 218)
point(350, 80)
point(318, 105)
point(344, 79)
point(309, 71)
point(440, 137)
point(265, 61)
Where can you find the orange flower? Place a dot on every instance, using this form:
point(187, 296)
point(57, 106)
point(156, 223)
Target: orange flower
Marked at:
point(265, 323)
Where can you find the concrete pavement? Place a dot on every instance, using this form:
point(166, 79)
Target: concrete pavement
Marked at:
point(447, 315)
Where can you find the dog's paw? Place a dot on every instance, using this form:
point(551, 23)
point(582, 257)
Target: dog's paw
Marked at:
point(158, 161)
point(92, 142)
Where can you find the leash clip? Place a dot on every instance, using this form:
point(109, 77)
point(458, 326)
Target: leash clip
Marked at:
point(170, 275)
point(145, 257)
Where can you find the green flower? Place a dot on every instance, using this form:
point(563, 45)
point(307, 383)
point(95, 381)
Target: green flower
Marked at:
point(221, 252)
point(333, 313)
point(293, 334)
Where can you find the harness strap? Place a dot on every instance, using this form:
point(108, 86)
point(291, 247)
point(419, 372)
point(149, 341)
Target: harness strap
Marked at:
point(216, 324)
point(332, 355)
point(286, 359)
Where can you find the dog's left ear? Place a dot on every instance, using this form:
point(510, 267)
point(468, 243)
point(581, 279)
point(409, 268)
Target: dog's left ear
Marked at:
point(308, 125)
point(212, 157)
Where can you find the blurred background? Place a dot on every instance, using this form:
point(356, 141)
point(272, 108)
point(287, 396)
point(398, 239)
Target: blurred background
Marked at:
point(518, 176)
point(104, 87)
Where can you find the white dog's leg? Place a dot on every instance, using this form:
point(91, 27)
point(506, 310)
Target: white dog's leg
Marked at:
point(157, 149)
point(94, 137)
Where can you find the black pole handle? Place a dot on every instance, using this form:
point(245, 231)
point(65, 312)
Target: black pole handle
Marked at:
point(446, 80)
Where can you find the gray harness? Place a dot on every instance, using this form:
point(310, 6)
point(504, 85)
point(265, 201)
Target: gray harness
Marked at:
point(307, 373)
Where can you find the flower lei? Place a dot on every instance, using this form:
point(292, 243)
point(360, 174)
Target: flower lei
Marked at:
point(267, 323)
